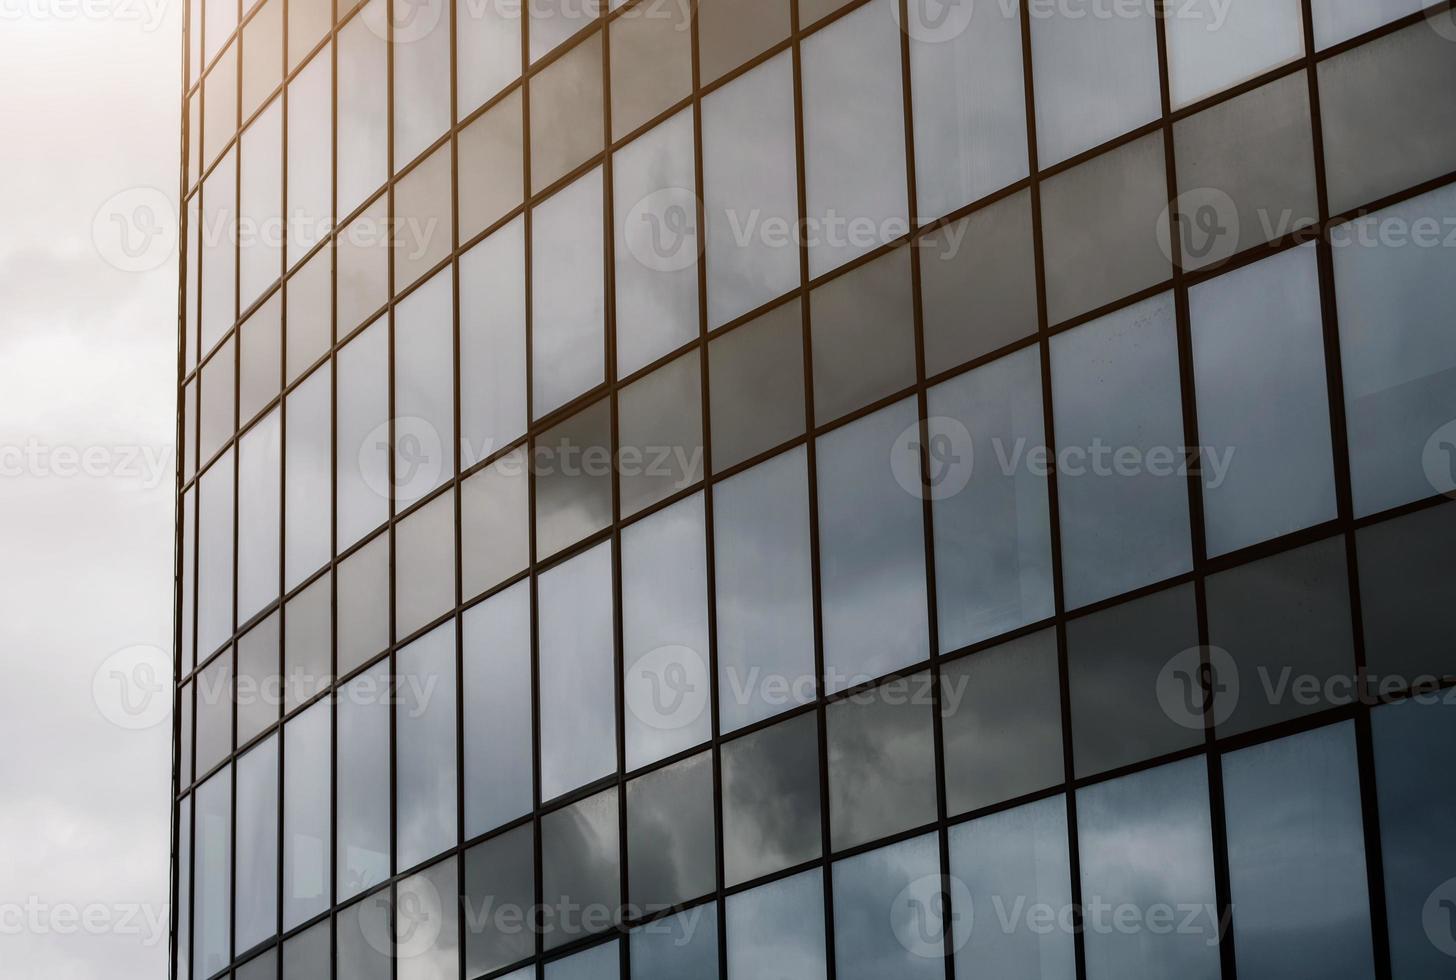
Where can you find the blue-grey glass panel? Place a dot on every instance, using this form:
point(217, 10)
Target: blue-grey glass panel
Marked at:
point(567, 295)
point(1214, 45)
point(424, 732)
point(872, 547)
point(1263, 405)
point(307, 834)
point(670, 835)
point(255, 910)
point(362, 783)
point(993, 551)
point(260, 456)
point(1145, 844)
point(1014, 865)
point(680, 947)
point(598, 963)
point(771, 800)
point(215, 556)
point(424, 565)
point(364, 941)
point(427, 924)
point(756, 385)
point(1407, 589)
point(1122, 490)
point(497, 696)
point(909, 942)
point(580, 861)
point(361, 466)
point(777, 930)
point(308, 487)
point(863, 336)
point(1297, 857)
point(424, 389)
point(212, 874)
point(306, 956)
point(500, 889)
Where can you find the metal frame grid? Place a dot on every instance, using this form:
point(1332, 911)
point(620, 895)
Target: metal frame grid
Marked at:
point(1214, 746)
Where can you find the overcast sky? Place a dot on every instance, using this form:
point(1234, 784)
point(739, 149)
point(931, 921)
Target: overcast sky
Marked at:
point(88, 110)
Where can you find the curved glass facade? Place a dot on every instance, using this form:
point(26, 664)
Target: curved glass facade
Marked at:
point(803, 488)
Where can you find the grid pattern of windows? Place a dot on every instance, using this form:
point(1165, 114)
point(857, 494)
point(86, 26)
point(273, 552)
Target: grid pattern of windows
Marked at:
point(816, 488)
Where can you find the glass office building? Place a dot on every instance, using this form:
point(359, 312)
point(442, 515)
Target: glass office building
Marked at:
point(816, 489)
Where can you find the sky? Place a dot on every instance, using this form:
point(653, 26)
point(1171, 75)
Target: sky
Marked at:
point(89, 93)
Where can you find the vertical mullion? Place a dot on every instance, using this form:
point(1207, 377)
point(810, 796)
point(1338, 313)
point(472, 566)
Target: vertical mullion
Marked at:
point(461, 922)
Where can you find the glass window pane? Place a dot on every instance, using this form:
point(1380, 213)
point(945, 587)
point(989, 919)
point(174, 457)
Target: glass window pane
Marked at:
point(1122, 490)
point(1340, 20)
point(219, 263)
point(681, 947)
point(771, 800)
point(256, 902)
point(966, 80)
point(363, 941)
point(652, 64)
point(1099, 220)
point(260, 484)
point(579, 853)
point(221, 21)
point(306, 827)
point(572, 464)
point(881, 762)
point(182, 933)
point(1096, 76)
point(1145, 841)
point(578, 703)
point(310, 150)
point(1213, 46)
point(258, 690)
point(554, 21)
point(1417, 847)
point(731, 32)
point(497, 698)
point(188, 599)
point(863, 336)
point(424, 556)
point(214, 712)
point(363, 598)
point(362, 86)
point(567, 294)
point(306, 956)
point(215, 556)
point(308, 21)
point(1299, 899)
point(363, 258)
point(871, 551)
point(424, 726)
point(494, 516)
point(216, 416)
point(424, 389)
point(1407, 589)
point(1258, 340)
point(1016, 855)
point(854, 136)
point(600, 963)
point(750, 196)
point(212, 876)
point(493, 343)
point(756, 385)
point(260, 358)
point(309, 302)
point(660, 433)
point(219, 105)
point(670, 835)
point(427, 924)
point(490, 166)
point(993, 552)
point(657, 239)
point(362, 466)
point(1247, 164)
point(764, 583)
point(1285, 623)
point(566, 113)
point(1002, 723)
point(1398, 354)
point(308, 642)
point(777, 930)
point(1385, 126)
point(500, 889)
point(978, 283)
point(665, 633)
point(908, 943)
point(421, 64)
point(423, 218)
point(307, 476)
point(487, 51)
point(1133, 673)
point(362, 783)
point(260, 214)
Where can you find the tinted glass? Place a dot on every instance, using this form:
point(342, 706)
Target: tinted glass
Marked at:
point(756, 382)
point(579, 853)
point(497, 719)
point(500, 888)
point(567, 298)
point(910, 941)
point(670, 834)
point(771, 800)
point(777, 929)
point(863, 336)
point(424, 734)
point(362, 783)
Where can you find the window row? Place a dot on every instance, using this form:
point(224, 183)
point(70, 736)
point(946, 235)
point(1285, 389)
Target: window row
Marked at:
point(1296, 903)
point(328, 466)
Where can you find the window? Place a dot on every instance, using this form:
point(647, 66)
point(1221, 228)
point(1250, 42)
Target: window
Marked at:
point(256, 900)
point(424, 386)
point(1210, 49)
point(257, 690)
point(652, 65)
point(490, 162)
point(670, 834)
point(572, 464)
point(580, 868)
point(493, 343)
point(423, 227)
point(682, 947)
point(1407, 583)
point(756, 384)
point(361, 784)
point(424, 737)
point(363, 600)
point(567, 298)
point(361, 467)
point(307, 478)
point(771, 800)
point(497, 710)
point(260, 213)
point(215, 556)
point(909, 942)
point(863, 336)
point(260, 453)
point(306, 818)
point(362, 85)
point(212, 875)
point(500, 889)
point(487, 52)
point(778, 928)
point(660, 428)
point(730, 32)
point(566, 113)
point(494, 516)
